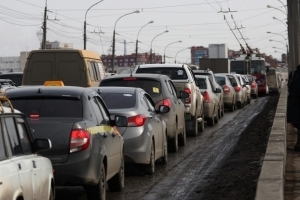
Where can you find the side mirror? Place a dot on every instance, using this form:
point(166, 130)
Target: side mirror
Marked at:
point(121, 121)
point(218, 90)
point(183, 95)
point(163, 109)
point(41, 145)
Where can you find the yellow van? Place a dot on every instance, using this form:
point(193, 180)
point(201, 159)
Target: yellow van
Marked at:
point(73, 67)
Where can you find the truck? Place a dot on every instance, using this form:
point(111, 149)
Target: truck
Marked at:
point(217, 65)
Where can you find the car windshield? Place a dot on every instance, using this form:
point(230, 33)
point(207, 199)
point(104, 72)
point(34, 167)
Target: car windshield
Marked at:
point(201, 83)
point(49, 107)
point(119, 100)
point(152, 87)
point(173, 73)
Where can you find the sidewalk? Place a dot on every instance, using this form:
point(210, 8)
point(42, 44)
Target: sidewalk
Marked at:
point(292, 168)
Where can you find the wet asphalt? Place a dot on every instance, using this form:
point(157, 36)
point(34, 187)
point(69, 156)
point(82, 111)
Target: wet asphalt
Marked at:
point(186, 168)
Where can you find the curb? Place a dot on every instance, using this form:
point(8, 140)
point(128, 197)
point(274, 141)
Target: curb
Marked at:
point(270, 184)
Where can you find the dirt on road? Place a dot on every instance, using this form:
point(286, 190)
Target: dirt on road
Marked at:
point(236, 178)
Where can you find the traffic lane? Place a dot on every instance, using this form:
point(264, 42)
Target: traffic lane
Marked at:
point(138, 184)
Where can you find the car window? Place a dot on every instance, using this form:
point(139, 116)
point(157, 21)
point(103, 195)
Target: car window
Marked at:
point(24, 137)
point(97, 111)
point(202, 83)
point(49, 107)
point(144, 103)
point(169, 87)
point(11, 131)
point(152, 87)
point(149, 103)
point(220, 80)
point(211, 85)
point(105, 114)
point(91, 70)
point(173, 88)
point(2, 147)
point(119, 100)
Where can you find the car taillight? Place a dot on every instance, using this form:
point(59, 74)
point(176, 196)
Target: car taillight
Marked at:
point(226, 89)
point(80, 140)
point(206, 97)
point(137, 120)
point(237, 88)
point(165, 102)
point(253, 84)
point(188, 100)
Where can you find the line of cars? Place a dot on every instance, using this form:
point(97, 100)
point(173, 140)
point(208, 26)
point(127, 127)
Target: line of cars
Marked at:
point(131, 118)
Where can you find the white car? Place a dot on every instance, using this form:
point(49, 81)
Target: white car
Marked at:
point(23, 173)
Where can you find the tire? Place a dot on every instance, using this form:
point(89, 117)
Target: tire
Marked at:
point(249, 100)
point(216, 119)
point(219, 112)
point(173, 147)
point(201, 127)
point(195, 126)
point(98, 192)
point(239, 105)
point(182, 137)
point(149, 169)
point(232, 107)
point(116, 183)
point(211, 121)
point(223, 111)
point(164, 159)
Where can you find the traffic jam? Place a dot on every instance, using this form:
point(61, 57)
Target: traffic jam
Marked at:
point(90, 129)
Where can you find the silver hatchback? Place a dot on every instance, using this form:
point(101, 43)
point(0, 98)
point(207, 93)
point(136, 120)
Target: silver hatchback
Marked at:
point(240, 90)
point(229, 92)
point(211, 100)
point(145, 137)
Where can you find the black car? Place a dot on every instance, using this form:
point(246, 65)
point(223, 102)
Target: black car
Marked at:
point(163, 92)
point(87, 150)
point(16, 77)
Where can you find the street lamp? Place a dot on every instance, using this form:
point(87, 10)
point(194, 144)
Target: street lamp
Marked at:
point(166, 31)
point(84, 35)
point(137, 41)
point(278, 48)
point(287, 48)
point(167, 46)
point(281, 21)
point(114, 35)
point(283, 5)
point(180, 51)
point(277, 41)
point(276, 9)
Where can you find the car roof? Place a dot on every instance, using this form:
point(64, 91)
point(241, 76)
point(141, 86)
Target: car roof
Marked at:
point(9, 73)
point(160, 65)
point(53, 90)
point(143, 75)
point(201, 76)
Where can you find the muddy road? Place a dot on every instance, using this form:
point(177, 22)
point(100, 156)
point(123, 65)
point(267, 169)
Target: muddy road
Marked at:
point(190, 172)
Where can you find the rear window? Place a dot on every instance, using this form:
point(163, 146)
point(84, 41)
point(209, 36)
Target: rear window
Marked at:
point(250, 78)
point(231, 79)
point(153, 88)
point(172, 73)
point(221, 79)
point(49, 107)
point(119, 100)
point(201, 83)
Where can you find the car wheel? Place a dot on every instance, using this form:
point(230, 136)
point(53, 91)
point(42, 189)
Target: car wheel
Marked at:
point(249, 100)
point(116, 183)
point(211, 121)
point(239, 105)
point(195, 124)
point(222, 112)
point(232, 107)
point(216, 119)
point(182, 137)
point(164, 159)
point(149, 169)
point(98, 192)
point(201, 127)
point(173, 147)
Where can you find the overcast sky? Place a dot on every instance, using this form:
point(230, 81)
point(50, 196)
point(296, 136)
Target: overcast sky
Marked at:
point(194, 22)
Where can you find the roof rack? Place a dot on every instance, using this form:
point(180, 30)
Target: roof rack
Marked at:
point(4, 101)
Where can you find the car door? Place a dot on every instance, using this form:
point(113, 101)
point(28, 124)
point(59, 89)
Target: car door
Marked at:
point(9, 173)
point(116, 148)
point(158, 126)
point(104, 131)
point(24, 162)
point(179, 107)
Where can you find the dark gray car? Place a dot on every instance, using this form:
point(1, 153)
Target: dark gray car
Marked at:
point(87, 150)
point(163, 92)
point(145, 136)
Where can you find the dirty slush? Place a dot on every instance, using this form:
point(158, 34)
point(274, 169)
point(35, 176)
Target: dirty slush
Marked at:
point(236, 178)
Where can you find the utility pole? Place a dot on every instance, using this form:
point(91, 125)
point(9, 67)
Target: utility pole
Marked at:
point(45, 27)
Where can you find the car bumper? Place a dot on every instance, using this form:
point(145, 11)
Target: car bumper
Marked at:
point(208, 110)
